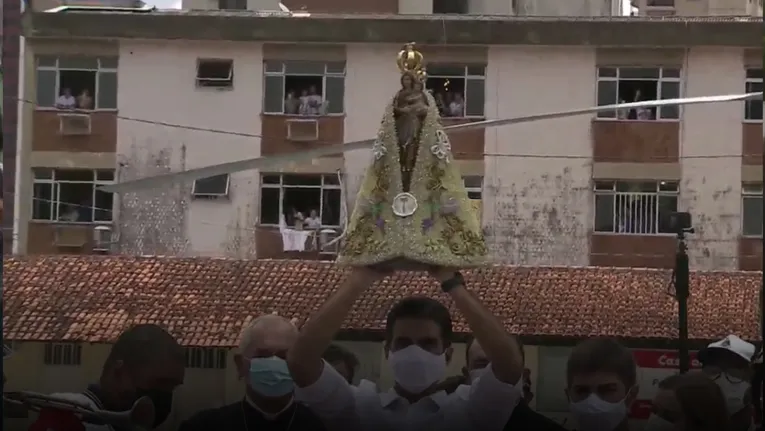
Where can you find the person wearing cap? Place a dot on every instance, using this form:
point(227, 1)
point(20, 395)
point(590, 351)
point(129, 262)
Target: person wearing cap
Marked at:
point(729, 363)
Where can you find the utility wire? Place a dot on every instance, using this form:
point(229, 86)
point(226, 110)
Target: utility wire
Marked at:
point(91, 207)
point(457, 153)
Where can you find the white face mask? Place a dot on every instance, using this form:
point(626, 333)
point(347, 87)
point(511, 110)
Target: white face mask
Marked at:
point(594, 414)
point(733, 392)
point(656, 423)
point(416, 369)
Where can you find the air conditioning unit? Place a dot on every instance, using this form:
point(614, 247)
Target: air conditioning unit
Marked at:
point(102, 238)
point(659, 11)
point(303, 129)
point(71, 236)
point(71, 123)
point(325, 237)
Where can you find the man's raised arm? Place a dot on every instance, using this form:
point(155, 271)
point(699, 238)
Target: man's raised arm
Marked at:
point(499, 390)
point(319, 386)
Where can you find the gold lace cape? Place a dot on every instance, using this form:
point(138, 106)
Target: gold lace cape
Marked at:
point(443, 231)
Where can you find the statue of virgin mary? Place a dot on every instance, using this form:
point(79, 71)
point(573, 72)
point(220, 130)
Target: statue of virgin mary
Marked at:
point(412, 211)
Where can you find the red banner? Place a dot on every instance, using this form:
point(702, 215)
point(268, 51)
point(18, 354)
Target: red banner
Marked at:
point(653, 367)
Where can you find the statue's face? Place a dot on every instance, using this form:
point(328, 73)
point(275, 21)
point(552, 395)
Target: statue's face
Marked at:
point(406, 81)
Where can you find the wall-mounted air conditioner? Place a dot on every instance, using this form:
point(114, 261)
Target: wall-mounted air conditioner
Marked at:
point(71, 123)
point(303, 129)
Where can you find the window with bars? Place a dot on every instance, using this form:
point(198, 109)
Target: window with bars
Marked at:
point(68, 354)
point(753, 108)
point(635, 207)
point(751, 202)
point(209, 358)
point(638, 84)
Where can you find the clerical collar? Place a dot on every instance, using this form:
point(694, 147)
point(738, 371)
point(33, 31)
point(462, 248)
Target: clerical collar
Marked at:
point(269, 416)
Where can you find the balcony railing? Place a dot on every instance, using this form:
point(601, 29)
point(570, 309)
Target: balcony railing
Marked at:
point(635, 213)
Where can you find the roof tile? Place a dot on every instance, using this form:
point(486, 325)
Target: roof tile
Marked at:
point(206, 302)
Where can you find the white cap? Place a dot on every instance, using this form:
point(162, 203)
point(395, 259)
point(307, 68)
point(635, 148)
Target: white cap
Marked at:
point(732, 344)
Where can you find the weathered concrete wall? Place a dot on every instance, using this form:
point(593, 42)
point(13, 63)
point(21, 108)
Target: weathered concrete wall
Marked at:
point(537, 209)
point(157, 82)
point(565, 8)
point(710, 157)
point(371, 81)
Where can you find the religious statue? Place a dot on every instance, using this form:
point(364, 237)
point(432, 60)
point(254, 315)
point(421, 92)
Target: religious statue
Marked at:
point(412, 210)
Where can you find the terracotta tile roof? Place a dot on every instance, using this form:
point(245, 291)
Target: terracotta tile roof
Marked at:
point(205, 302)
point(303, 15)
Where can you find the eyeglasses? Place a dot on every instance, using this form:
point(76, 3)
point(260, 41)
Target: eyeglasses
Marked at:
point(732, 375)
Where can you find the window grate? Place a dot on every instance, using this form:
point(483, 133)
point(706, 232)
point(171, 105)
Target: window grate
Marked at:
point(66, 354)
point(209, 358)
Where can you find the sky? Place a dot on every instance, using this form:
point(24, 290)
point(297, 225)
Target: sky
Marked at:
point(176, 4)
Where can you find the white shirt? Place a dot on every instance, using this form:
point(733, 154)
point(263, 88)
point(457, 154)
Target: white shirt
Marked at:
point(65, 101)
point(311, 105)
point(455, 109)
point(313, 223)
point(488, 405)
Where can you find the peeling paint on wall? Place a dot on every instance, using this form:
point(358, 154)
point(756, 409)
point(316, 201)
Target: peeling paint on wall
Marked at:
point(153, 221)
point(540, 221)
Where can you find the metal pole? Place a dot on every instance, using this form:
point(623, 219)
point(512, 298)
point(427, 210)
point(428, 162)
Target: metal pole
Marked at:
point(682, 291)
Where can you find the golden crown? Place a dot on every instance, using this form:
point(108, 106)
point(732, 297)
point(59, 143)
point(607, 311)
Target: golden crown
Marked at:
point(409, 60)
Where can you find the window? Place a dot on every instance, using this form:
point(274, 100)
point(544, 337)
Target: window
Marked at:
point(288, 197)
point(751, 197)
point(753, 108)
point(232, 4)
point(62, 354)
point(634, 207)
point(304, 87)
point(459, 90)
point(660, 3)
point(216, 186)
point(71, 195)
point(474, 186)
point(215, 73)
point(206, 358)
point(450, 6)
point(77, 82)
point(638, 84)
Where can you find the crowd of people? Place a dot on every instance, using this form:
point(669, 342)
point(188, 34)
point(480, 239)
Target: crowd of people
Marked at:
point(296, 379)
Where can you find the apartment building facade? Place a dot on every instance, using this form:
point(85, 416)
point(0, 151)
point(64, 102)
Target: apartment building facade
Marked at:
point(698, 8)
point(165, 96)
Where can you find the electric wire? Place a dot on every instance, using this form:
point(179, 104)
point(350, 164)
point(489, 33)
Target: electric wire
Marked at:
point(164, 124)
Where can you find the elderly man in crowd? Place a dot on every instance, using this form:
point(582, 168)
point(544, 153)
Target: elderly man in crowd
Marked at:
point(268, 403)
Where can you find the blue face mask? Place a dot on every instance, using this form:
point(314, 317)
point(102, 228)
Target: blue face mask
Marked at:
point(270, 377)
